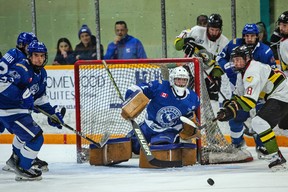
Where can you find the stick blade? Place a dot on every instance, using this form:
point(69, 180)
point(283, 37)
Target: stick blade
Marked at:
point(188, 121)
point(165, 164)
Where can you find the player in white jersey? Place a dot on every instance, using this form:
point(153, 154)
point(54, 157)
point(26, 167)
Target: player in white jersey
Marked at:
point(206, 42)
point(283, 50)
point(255, 81)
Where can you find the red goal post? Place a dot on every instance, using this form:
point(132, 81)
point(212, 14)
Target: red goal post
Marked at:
point(98, 106)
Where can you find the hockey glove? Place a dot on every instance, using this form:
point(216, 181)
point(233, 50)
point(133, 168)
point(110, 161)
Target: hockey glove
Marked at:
point(27, 101)
point(228, 112)
point(217, 71)
point(56, 120)
point(225, 114)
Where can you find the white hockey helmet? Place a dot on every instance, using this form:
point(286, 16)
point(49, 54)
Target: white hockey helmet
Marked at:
point(179, 72)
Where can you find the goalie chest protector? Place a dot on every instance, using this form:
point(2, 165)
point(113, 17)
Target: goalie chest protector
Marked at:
point(135, 104)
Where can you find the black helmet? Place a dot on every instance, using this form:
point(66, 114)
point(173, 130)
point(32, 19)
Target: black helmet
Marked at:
point(241, 51)
point(215, 20)
point(283, 18)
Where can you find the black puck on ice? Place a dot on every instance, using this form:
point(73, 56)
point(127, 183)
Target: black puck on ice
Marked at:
point(210, 181)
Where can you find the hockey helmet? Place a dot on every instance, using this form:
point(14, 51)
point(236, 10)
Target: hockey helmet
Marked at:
point(179, 72)
point(37, 47)
point(242, 51)
point(283, 18)
point(250, 29)
point(25, 38)
point(215, 21)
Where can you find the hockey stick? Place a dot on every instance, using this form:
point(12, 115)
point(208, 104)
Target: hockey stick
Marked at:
point(189, 122)
point(141, 138)
point(55, 119)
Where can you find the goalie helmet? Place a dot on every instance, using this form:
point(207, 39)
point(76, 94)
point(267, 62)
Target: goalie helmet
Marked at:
point(25, 38)
point(179, 72)
point(37, 47)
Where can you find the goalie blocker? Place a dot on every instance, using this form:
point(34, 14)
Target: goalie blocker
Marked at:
point(134, 105)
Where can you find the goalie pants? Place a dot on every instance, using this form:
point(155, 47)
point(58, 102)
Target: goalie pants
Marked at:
point(154, 138)
point(28, 138)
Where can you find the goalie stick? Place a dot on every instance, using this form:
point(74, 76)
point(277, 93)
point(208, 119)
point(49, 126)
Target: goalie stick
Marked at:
point(141, 138)
point(189, 122)
point(104, 139)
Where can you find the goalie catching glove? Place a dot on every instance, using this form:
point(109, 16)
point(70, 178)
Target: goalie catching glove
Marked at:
point(189, 132)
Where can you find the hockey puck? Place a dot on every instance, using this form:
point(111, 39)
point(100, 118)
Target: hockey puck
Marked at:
point(210, 181)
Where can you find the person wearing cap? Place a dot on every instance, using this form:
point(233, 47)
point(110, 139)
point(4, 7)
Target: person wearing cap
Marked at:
point(262, 33)
point(86, 49)
point(124, 46)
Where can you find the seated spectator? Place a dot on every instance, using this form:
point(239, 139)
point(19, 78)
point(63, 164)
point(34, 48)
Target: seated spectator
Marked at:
point(64, 55)
point(202, 20)
point(86, 49)
point(124, 46)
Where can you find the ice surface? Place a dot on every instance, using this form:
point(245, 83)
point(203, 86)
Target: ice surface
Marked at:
point(66, 175)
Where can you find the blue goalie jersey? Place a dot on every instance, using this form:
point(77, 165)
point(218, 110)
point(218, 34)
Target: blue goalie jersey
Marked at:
point(165, 108)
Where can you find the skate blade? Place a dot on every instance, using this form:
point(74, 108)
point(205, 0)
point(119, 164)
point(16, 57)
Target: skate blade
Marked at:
point(21, 178)
point(279, 168)
point(8, 169)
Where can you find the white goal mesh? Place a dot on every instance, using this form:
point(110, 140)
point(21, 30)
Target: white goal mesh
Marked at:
point(98, 106)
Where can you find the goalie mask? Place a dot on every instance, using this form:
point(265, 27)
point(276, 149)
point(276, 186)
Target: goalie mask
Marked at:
point(179, 79)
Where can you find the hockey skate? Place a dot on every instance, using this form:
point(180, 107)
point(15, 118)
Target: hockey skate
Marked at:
point(278, 162)
point(10, 163)
point(22, 174)
point(40, 165)
point(263, 154)
point(36, 164)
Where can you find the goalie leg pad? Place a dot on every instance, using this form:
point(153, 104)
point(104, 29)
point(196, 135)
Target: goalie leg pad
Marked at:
point(169, 152)
point(114, 152)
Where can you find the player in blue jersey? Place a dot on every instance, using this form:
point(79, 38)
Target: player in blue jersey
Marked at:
point(13, 56)
point(261, 52)
point(168, 101)
point(16, 55)
point(26, 87)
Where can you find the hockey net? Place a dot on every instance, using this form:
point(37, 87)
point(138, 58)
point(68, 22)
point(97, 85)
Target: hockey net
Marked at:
point(98, 106)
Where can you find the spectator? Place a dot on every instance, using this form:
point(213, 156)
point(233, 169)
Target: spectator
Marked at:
point(124, 46)
point(202, 20)
point(64, 53)
point(86, 49)
point(262, 33)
